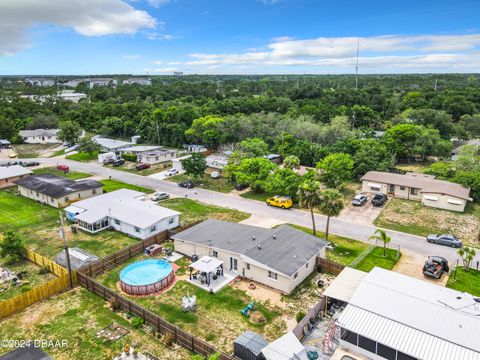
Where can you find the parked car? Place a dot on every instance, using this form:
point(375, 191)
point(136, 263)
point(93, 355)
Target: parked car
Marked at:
point(108, 161)
point(435, 266)
point(215, 175)
point(444, 239)
point(284, 202)
point(142, 166)
point(379, 199)
point(159, 195)
point(241, 187)
point(171, 172)
point(118, 162)
point(63, 168)
point(31, 163)
point(359, 200)
point(187, 184)
point(12, 155)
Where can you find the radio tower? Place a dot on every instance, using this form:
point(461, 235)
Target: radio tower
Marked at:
point(356, 66)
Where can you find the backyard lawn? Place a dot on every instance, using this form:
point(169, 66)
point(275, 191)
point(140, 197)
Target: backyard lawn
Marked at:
point(465, 281)
point(112, 185)
point(76, 316)
point(414, 218)
point(72, 175)
point(37, 225)
point(83, 156)
point(34, 277)
point(217, 320)
point(205, 182)
point(193, 211)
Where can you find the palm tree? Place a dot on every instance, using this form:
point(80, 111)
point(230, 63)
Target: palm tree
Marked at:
point(381, 235)
point(310, 196)
point(467, 254)
point(330, 205)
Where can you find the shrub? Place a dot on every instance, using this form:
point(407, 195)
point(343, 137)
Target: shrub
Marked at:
point(26, 288)
point(137, 322)
point(129, 157)
point(43, 270)
point(300, 315)
point(210, 337)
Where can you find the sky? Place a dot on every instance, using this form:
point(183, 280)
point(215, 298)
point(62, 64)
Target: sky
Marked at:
point(88, 37)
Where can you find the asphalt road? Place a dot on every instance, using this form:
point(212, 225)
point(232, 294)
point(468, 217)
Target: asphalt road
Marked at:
point(338, 226)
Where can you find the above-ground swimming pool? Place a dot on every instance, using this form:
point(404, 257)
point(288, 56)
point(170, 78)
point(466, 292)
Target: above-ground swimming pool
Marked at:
point(146, 276)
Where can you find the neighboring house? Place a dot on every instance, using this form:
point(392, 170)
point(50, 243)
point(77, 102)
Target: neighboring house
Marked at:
point(78, 258)
point(156, 156)
point(419, 187)
point(111, 145)
point(40, 136)
point(44, 82)
point(123, 210)
point(71, 95)
point(216, 162)
point(101, 82)
point(275, 158)
point(9, 174)
point(138, 149)
point(177, 163)
point(5, 144)
point(139, 81)
point(57, 191)
point(458, 146)
point(192, 148)
point(280, 258)
point(75, 82)
point(388, 315)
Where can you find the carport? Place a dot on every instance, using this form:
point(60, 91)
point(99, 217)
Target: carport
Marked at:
point(345, 284)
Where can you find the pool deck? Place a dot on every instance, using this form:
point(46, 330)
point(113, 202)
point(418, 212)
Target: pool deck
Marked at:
point(215, 285)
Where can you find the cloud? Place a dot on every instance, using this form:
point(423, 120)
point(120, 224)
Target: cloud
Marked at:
point(131, 56)
point(153, 35)
point(157, 3)
point(86, 17)
point(387, 52)
point(166, 70)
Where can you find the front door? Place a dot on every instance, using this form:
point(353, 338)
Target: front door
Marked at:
point(391, 188)
point(233, 264)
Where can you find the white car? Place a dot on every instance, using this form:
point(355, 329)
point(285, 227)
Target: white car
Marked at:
point(171, 172)
point(160, 196)
point(215, 175)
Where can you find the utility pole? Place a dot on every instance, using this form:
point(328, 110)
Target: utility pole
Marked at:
point(62, 234)
point(356, 66)
point(435, 86)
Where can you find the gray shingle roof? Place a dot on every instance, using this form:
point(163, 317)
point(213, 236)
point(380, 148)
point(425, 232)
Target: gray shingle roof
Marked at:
point(39, 132)
point(251, 341)
point(284, 249)
point(56, 186)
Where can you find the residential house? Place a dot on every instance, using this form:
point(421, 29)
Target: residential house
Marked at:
point(193, 148)
point(123, 210)
point(275, 158)
point(57, 191)
point(5, 144)
point(388, 315)
point(75, 82)
point(40, 136)
point(137, 80)
point(10, 174)
point(280, 258)
point(138, 149)
point(71, 95)
point(418, 187)
point(43, 82)
point(157, 156)
point(111, 145)
point(216, 162)
point(101, 82)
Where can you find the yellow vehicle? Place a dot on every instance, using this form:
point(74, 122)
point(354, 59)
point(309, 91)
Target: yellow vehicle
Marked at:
point(12, 154)
point(284, 202)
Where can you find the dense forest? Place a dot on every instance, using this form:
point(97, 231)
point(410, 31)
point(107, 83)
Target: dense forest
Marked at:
point(309, 117)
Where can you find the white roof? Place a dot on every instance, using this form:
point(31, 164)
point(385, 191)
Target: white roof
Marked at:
point(125, 205)
point(286, 347)
point(345, 284)
point(206, 264)
point(110, 143)
point(418, 318)
point(7, 172)
point(142, 148)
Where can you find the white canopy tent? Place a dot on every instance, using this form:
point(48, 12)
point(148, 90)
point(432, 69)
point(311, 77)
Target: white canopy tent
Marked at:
point(207, 265)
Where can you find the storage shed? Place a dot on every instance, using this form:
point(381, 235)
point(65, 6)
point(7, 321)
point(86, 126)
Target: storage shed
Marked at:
point(78, 258)
point(248, 346)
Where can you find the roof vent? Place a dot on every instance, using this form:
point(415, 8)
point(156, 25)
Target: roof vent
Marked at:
point(259, 247)
point(274, 236)
point(253, 238)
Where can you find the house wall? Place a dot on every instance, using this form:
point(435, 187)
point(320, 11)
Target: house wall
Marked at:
point(59, 202)
point(156, 159)
point(4, 183)
point(442, 202)
point(41, 140)
point(402, 192)
point(143, 233)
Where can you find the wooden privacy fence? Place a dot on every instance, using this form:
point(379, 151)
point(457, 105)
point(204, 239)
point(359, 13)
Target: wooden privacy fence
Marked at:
point(301, 328)
point(40, 292)
point(162, 326)
point(324, 265)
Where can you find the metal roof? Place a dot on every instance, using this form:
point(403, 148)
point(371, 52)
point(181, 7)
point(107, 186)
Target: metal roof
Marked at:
point(284, 249)
point(415, 317)
point(78, 258)
point(345, 284)
point(142, 148)
point(252, 341)
point(7, 172)
point(111, 144)
point(56, 186)
point(286, 347)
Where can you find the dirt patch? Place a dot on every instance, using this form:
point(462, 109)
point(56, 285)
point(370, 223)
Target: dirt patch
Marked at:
point(260, 293)
point(411, 264)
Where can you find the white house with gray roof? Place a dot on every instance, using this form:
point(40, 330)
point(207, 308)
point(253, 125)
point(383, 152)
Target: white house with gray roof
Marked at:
point(40, 136)
point(280, 258)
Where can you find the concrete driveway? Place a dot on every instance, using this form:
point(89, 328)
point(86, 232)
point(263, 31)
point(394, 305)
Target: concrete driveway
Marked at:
point(365, 214)
point(411, 264)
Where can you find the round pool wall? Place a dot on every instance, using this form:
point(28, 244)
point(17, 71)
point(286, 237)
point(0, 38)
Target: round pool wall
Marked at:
point(146, 277)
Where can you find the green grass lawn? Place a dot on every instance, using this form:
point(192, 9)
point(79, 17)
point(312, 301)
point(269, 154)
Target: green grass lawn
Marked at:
point(206, 182)
point(37, 225)
point(465, 281)
point(58, 153)
point(83, 156)
point(217, 319)
point(252, 195)
point(72, 175)
point(376, 258)
point(34, 277)
point(193, 211)
point(130, 167)
point(76, 316)
point(112, 185)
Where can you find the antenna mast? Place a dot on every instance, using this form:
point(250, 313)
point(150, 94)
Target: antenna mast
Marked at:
point(356, 66)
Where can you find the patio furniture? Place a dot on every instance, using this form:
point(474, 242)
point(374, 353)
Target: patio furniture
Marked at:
point(168, 252)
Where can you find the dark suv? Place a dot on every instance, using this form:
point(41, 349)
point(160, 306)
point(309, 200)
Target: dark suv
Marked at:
point(379, 199)
point(435, 266)
point(118, 162)
point(187, 184)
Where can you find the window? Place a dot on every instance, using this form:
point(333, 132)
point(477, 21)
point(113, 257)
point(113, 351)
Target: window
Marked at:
point(66, 198)
point(170, 221)
point(402, 187)
point(295, 275)
point(349, 336)
point(367, 344)
point(402, 356)
point(248, 266)
point(51, 200)
point(386, 352)
point(117, 221)
point(137, 229)
point(215, 253)
point(306, 266)
point(272, 275)
point(79, 196)
point(153, 228)
point(94, 191)
point(413, 191)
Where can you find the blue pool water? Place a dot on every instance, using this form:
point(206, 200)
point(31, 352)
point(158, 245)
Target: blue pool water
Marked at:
point(145, 272)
